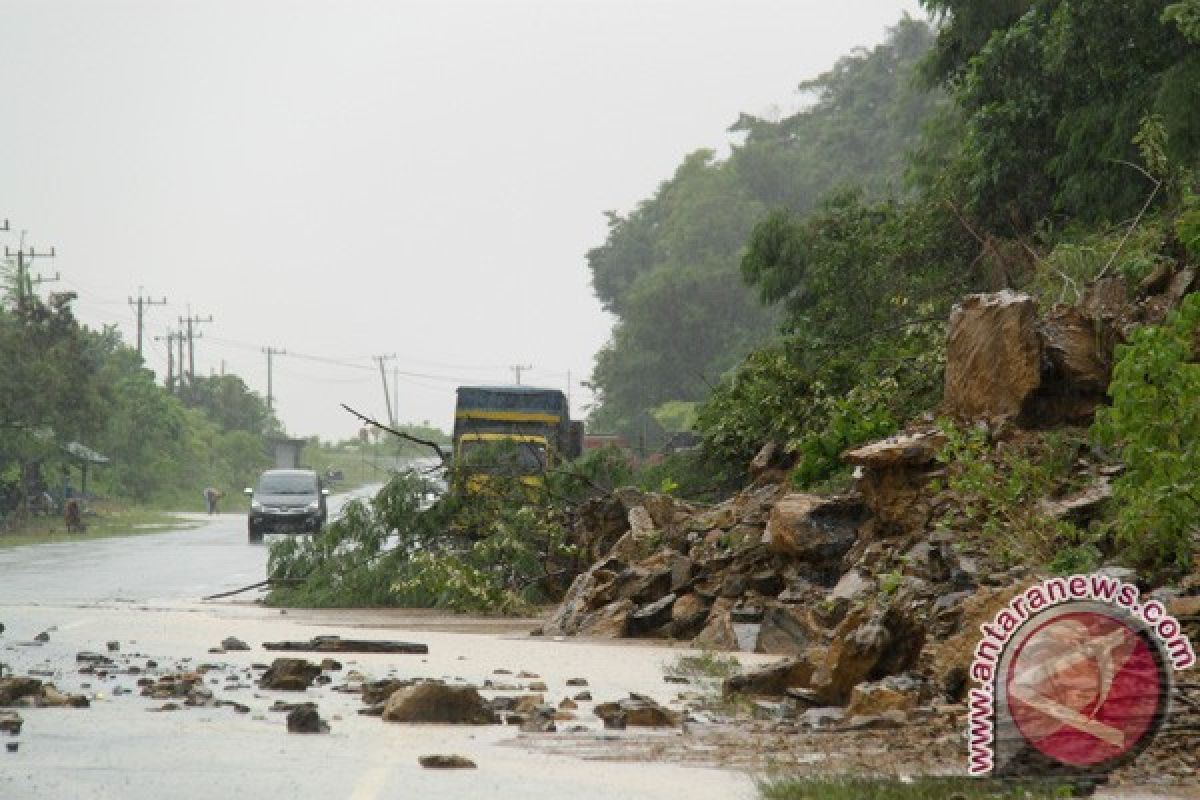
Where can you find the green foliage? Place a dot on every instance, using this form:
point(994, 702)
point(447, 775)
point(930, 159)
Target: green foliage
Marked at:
point(1187, 225)
point(929, 788)
point(1053, 94)
point(999, 492)
point(1154, 422)
point(669, 269)
point(62, 382)
point(859, 416)
point(497, 549)
point(1186, 15)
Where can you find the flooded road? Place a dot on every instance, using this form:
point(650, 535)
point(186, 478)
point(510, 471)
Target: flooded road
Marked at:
point(144, 592)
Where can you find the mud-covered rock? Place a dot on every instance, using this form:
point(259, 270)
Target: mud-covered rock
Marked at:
point(652, 616)
point(718, 632)
point(993, 356)
point(306, 719)
point(773, 679)
point(17, 688)
point(432, 702)
point(290, 675)
point(445, 762)
point(637, 711)
point(894, 693)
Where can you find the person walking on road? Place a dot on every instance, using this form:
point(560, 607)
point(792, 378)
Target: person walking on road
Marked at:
point(211, 496)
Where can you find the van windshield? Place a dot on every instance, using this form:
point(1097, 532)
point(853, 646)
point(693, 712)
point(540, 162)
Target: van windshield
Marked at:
point(287, 484)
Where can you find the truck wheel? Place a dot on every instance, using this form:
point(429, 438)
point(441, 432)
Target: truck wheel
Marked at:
point(255, 536)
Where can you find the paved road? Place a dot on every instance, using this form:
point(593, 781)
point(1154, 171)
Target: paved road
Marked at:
point(143, 592)
point(176, 567)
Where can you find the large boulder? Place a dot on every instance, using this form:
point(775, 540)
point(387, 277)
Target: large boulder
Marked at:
point(894, 693)
point(813, 528)
point(637, 711)
point(433, 702)
point(993, 356)
point(1078, 348)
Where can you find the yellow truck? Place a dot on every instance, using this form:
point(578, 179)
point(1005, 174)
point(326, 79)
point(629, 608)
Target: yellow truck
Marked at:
point(535, 422)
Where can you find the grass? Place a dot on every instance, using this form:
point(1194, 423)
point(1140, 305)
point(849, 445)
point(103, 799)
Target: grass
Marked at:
point(848, 788)
point(709, 665)
point(108, 521)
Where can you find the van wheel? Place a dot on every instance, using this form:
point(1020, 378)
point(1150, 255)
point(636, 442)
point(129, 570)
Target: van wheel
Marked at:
point(255, 536)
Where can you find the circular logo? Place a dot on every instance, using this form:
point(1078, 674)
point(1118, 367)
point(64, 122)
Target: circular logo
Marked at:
point(1086, 688)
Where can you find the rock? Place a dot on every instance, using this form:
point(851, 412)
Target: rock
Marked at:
point(583, 697)
point(903, 450)
point(14, 689)
point(1079, 350)
point(290, 674)
point(539, 720)
point(336, 644)
point(852, 586)
point(42, 637)
point(651, 616)
point(894, 693)
point(773, 679)
point(305, 719)
point(637, 711)
point(993, 356)
point(431, 702)
point(814, 528)
point(688, 615)
point(821, 718)
point(538, 686)
point(374, 692)
point(567, 704)
point(612, 620)
point(10, 722)
point(114, 647)
point(859, 643)
point(232, 644)
point(641, 524)
point(785, 632)
point(577, 682)
point(1184, 607)
point(331, 665)
point(764, 458)
point(718, 633)
point(445, 762)
point(1081, 506)
point(12, 746)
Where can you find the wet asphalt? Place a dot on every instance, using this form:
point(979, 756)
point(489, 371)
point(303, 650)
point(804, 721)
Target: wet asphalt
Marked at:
point(145, 593)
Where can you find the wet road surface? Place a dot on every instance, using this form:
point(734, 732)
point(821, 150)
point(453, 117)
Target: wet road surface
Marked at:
point(145, 592)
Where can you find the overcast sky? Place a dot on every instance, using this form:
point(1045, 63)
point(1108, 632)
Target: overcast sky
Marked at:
point(347, 179)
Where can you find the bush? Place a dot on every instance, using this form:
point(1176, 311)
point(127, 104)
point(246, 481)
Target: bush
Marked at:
point(1154, 423)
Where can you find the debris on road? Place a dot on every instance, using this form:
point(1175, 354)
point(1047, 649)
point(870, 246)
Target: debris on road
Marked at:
point(305, 719)
point(445, 762)
point(335, 644)
point(10, 722)
point(290, 675)
point(232, 643)
point(433, 702)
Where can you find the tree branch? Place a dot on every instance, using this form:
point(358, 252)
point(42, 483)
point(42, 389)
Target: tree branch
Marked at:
point(401, 434)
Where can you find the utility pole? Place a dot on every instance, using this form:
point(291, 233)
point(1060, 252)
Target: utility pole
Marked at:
point(170, 340)
point(140, 304)
point(191, 340)
point(271, 353)
point(395, 394)
point(518, 369)
point(24, 281)
point(387, 398)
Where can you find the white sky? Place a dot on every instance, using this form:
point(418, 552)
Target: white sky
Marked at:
point(348, 178)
